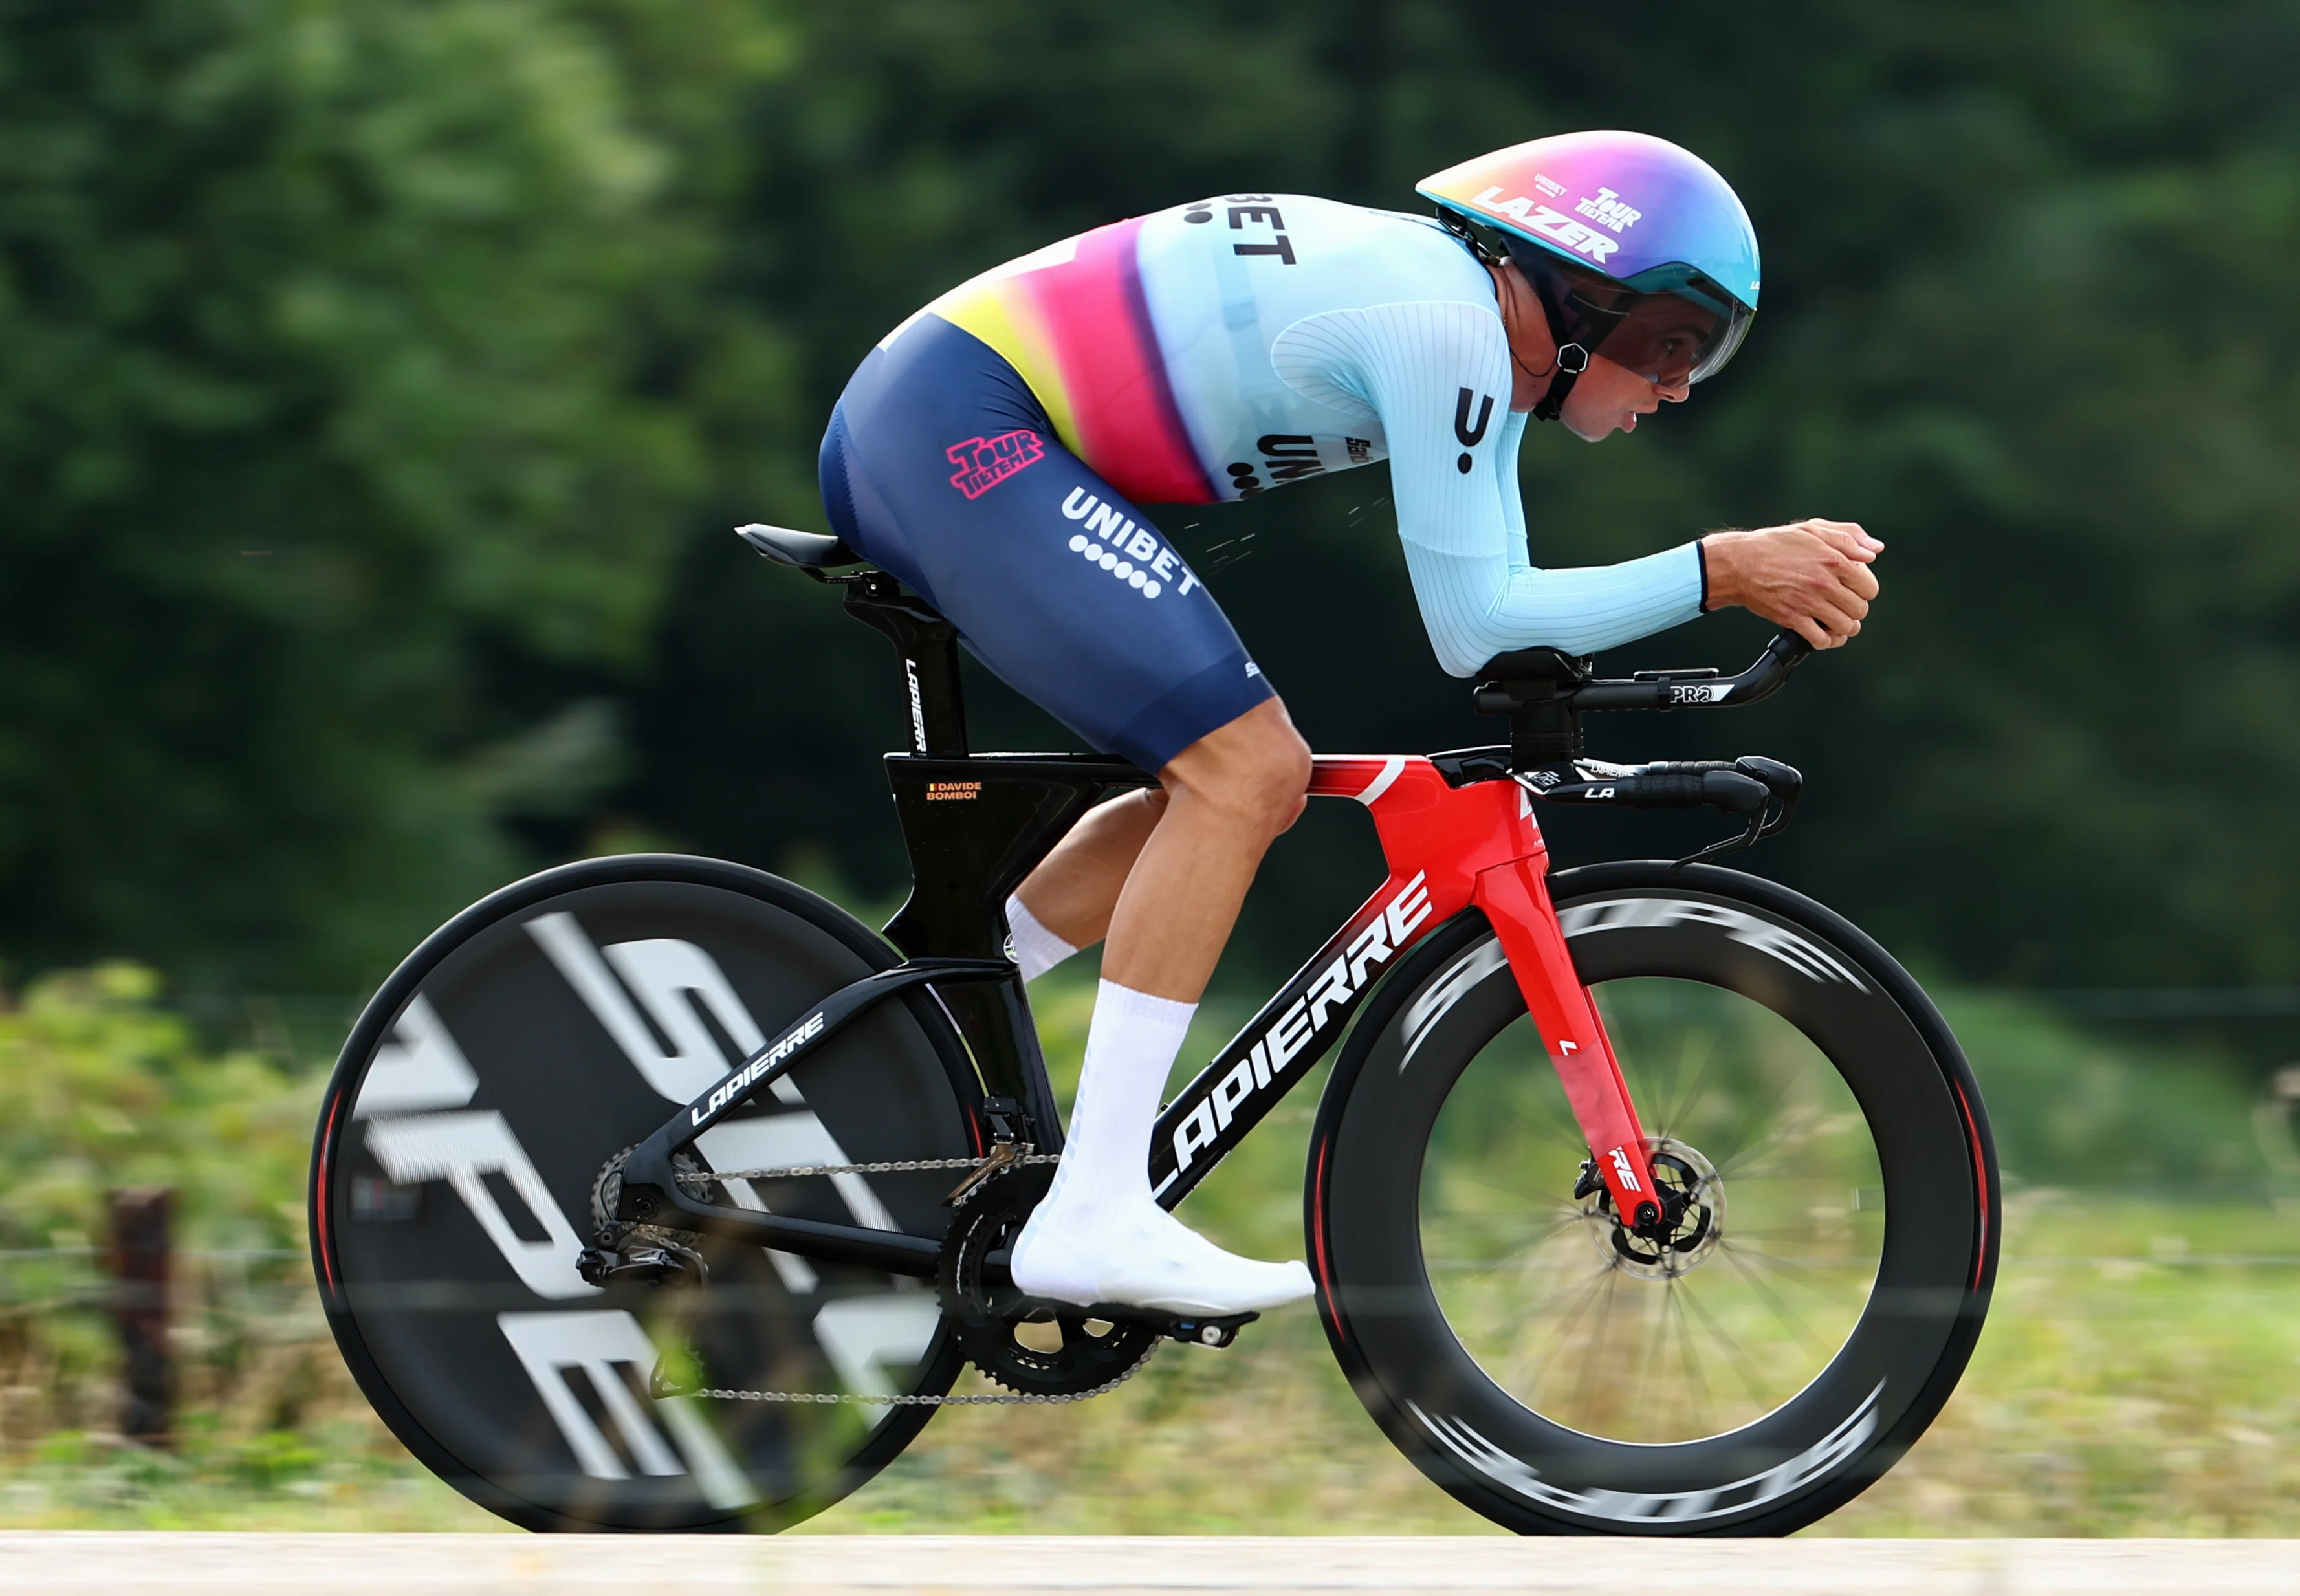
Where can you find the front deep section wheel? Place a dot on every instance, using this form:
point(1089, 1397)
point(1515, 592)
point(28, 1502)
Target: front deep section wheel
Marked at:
point(484, 1095)
point(1832, 1182)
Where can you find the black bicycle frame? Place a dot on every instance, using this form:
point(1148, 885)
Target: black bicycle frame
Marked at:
point(975, 825)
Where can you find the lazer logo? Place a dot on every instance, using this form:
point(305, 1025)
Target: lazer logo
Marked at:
point(1289, 1036)
point(1554, 225)
point(985, 462)
point(733, 1088)
point(1621, 1157)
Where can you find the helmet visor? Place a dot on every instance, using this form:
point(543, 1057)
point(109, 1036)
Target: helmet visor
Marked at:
point(1669, 324)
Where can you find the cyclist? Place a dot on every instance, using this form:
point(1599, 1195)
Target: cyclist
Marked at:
point(991, 450)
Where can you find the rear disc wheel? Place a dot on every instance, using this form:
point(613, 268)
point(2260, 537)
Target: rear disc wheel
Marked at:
point(478, 1102)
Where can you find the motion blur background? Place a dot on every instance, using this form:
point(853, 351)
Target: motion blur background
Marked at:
point(380, 378)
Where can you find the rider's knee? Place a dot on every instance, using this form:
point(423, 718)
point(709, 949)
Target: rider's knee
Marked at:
point(1262, 780)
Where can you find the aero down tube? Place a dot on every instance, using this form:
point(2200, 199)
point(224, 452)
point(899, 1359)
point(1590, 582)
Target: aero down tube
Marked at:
point(1263, 1061)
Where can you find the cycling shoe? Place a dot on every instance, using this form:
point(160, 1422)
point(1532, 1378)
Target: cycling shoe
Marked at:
point(1143, 1256)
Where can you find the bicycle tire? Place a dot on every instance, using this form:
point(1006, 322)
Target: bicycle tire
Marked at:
point(523, 1045)
point(1446, 1298)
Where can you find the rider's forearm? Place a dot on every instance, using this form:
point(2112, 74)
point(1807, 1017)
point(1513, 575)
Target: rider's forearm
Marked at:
point(1476, 608)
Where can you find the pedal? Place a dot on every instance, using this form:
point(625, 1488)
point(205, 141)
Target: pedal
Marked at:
point(1200, 1330)
point(642, 1266)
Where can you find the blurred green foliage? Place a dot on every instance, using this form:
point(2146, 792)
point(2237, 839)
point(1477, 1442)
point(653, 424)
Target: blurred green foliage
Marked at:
point(381, 376)
point(99, 1088)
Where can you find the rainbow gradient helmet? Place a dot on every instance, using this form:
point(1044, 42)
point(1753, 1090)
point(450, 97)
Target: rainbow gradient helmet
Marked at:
point(1637, 249)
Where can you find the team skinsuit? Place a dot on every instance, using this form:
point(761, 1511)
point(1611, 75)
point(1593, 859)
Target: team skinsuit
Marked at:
point(990, 452)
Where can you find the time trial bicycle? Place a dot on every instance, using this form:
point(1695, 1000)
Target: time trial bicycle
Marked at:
point(656, 1193)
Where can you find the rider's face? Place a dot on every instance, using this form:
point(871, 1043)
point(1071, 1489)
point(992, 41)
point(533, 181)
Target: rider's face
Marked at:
point(1610, 397)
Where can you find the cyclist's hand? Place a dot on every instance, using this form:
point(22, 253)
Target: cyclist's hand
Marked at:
point(1812, 577)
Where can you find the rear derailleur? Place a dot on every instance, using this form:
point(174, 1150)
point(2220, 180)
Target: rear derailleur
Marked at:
point(637, 1254)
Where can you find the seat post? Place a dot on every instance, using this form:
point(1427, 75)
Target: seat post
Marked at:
point(928, 646)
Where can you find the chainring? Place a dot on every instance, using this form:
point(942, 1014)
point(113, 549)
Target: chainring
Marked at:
point(1066, 1352)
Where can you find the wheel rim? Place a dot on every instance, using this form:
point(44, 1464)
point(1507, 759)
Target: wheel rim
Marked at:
point(1606, 1333)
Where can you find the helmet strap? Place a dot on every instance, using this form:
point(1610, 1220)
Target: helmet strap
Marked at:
point(1572, 360)
point(1566, 365)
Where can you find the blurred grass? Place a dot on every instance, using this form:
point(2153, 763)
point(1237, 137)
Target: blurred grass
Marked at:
point(2140, 1374)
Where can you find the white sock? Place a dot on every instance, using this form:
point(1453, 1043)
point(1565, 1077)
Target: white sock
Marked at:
point(1100, 1236)
point(1038, 950)
point(1131, 1044)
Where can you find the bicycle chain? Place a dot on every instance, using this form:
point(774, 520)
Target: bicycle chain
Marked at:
point(1004, 1399)
point(886, 1166)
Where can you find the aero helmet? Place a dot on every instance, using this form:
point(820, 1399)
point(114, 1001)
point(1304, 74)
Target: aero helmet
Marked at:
point(1636, 248)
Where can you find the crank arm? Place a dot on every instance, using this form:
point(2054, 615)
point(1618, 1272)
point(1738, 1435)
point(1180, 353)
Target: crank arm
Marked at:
point(1198, 1329)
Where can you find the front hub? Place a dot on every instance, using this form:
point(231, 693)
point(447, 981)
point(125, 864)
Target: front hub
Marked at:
point(1692, 1202)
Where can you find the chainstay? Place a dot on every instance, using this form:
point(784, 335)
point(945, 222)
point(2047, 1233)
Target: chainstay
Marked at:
point(885, 1166)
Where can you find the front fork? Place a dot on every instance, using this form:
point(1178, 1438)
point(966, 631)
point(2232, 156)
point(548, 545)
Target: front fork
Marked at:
point(1516, 901)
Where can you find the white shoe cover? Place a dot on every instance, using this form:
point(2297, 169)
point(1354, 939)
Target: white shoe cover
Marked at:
point(1143, 1257)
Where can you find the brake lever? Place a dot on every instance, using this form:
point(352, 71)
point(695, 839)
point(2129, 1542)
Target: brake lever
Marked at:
point(1731, 844)
point(1785, 782)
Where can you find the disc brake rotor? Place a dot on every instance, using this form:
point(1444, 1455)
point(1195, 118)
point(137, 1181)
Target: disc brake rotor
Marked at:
point(1693, 1205)
point(1022, 1343)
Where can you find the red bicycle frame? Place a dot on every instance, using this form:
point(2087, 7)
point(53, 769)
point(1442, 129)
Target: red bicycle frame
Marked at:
point(1448, 849)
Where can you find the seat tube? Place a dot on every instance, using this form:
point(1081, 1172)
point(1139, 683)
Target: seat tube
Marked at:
point(1516, 901)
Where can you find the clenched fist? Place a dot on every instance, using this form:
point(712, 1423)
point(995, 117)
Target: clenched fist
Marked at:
point(1812, 577)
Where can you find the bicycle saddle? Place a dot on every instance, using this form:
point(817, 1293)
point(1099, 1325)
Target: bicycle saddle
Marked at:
point(807, 551)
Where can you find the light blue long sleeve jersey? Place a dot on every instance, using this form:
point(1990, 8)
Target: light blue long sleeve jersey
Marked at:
point(1378, 335)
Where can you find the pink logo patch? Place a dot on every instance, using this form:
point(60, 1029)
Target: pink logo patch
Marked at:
point(985, 462)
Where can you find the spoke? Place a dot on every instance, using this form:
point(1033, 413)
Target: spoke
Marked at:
point(1549, 1125)
point(1700, 1380)
point(1597, 1343)
point(1780, 1135)
point(1742, 1364)
point(1800, 1270)
point(1566, 1331)
point(1683, 1100)
point(1518, 1199)
point(1486, 1266)
point(1653, 1354)
point(1781, 1310)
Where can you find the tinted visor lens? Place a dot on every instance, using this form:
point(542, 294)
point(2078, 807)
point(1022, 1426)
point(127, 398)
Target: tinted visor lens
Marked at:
point(1672, 340)
point(1672, 332)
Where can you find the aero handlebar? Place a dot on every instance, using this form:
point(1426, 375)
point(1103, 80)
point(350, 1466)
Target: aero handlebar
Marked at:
point(1647, 689)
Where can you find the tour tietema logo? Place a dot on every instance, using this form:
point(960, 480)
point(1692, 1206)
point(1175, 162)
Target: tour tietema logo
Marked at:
point(985, 462)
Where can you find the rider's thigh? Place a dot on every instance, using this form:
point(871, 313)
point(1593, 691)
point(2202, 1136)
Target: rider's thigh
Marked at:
point(942, 467)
